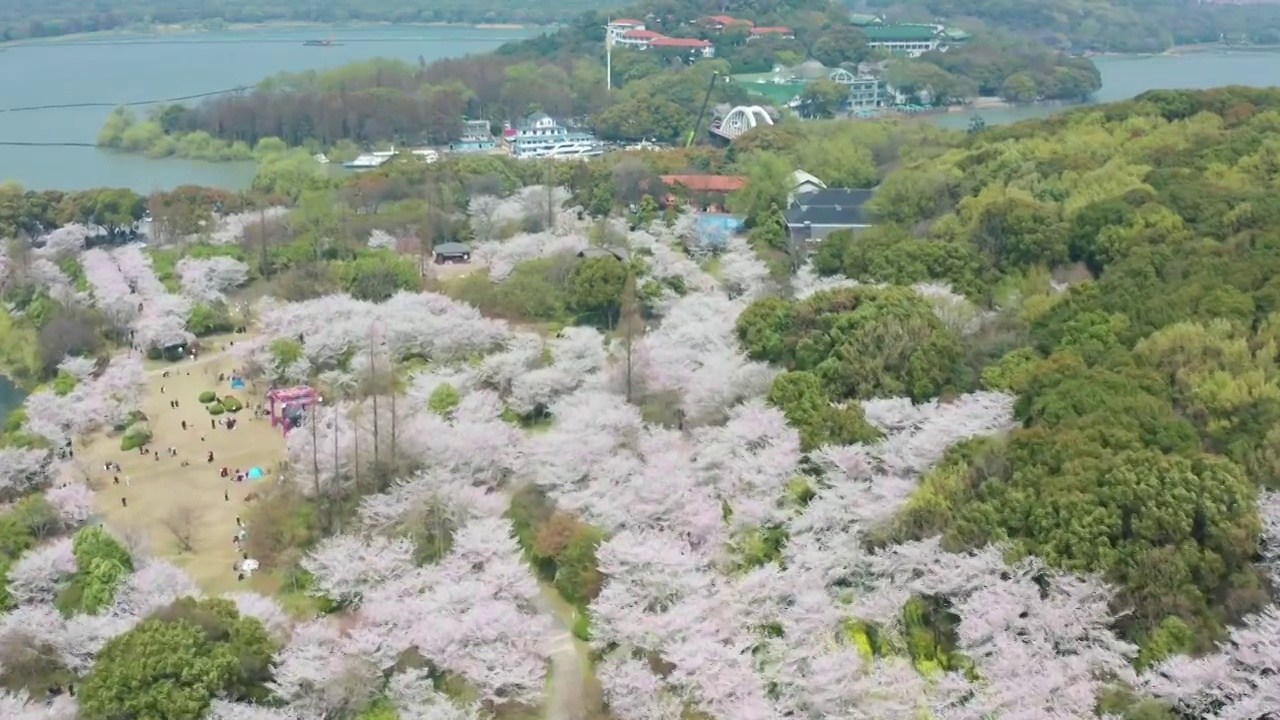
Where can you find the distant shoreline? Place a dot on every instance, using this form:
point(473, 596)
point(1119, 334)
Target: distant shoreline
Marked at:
point(196, 28)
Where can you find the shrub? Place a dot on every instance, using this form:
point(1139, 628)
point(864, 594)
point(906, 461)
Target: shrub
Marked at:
point(135, 437)
point(582, 626)
point(232, 404)
point(215, 408)
point(208, 396)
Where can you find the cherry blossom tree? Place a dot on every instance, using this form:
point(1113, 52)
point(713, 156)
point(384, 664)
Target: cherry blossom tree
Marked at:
point(694, 354)
point(501, 257)
point(415, 696)
point(265, 609)
point(22, 470)
point(155, 584)
point(68, 239)
point(73, 501)
point(345, 565)
point(225, 710)
point(577, 357)
point(471, 614)
point(79, 368)
point(40, 573)
point(111, 289)
point(49, 276)
point(20, 706)
point(745, 275)
point(320, 673)
point(635, 693)
point(1239, 682)
point(382, 240)
point(208, 279)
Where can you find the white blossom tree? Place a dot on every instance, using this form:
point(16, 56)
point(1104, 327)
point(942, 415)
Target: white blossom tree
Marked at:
point(208, 279)
point(40, 573)
point(344, 566)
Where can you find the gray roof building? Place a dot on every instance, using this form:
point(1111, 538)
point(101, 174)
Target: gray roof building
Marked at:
point(812, 216)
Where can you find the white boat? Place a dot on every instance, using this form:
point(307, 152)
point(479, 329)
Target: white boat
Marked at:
point(321, 158)
point(540, 136)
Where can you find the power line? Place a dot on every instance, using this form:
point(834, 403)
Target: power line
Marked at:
point(7, 143)
point(127, 104)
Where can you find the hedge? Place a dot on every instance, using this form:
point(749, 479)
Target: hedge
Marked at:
point(232, 404)
point(215, 408)
point(208, 396)
point(135, 437)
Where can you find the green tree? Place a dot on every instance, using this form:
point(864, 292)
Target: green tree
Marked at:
point(102, 563)
point(822, 98)
point(768, 181)
point(861, 342)
point(174, 663)
point(595, 287)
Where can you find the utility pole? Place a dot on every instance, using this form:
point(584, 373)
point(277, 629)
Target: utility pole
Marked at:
point(608, 57)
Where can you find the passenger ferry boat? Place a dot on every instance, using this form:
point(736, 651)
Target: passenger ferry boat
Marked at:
point(540, 136)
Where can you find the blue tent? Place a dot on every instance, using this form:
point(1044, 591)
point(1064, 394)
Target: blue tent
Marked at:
point(236, 382)
point(254, 472)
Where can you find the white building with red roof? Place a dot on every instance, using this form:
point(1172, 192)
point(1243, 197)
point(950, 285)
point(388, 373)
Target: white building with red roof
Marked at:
point(689, 44)
point(638, 39)
point(621, 26)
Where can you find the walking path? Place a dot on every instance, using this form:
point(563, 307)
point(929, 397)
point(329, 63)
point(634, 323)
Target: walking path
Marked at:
point(569, 696)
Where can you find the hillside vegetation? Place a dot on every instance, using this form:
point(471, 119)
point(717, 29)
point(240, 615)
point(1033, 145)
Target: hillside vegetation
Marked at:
point(1149, 392)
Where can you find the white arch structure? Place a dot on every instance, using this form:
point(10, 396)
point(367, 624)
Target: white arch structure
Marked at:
point(741, 119)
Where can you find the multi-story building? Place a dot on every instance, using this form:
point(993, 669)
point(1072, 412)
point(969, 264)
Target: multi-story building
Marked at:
point(637, 39)
point(621, 26)
point(476, 137)
point(912, 40)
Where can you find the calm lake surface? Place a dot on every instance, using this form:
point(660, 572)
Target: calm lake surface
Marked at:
point(123, 68)
point(120, 68)
point(1124, 76)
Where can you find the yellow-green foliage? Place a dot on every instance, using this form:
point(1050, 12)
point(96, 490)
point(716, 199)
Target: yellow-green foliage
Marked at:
point(123, 130)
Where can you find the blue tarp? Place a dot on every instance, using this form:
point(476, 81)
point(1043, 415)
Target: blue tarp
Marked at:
point(255, 472)
point(236, 383)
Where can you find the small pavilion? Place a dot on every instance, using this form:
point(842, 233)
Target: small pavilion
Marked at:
point(287, 404)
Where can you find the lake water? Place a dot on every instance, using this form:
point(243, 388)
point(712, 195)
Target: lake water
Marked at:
point(1124, 76)
point(11, 396)
point(122, 68)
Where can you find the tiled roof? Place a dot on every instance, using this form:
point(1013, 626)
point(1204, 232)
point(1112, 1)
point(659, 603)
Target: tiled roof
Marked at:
point(900, 33)
point(707, 183)
point(780, 29)
point(641, 34)
point(627, 21)
point(727, 20)
point(679, 42)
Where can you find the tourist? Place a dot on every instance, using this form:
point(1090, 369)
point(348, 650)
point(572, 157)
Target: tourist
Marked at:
point(128, 482)
point(226, 496)
point(124, 502)
point(213, 424)
point(161, 389)
point(184, 424)
point(210, 460)
point(115, 480)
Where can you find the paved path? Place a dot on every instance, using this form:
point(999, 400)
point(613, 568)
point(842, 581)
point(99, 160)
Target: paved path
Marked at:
point(566, 699)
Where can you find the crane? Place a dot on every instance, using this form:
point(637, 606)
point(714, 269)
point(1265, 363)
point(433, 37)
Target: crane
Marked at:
point(693, 134)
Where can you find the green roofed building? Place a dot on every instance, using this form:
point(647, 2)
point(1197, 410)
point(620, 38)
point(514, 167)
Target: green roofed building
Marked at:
point(912, 40)
point(863, 20)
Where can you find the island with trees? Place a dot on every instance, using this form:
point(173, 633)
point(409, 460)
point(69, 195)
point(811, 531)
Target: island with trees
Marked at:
point(1007, 449)
point(656, 92)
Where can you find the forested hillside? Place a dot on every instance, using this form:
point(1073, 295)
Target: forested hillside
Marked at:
point(1149, 391)
point(1114, 26)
